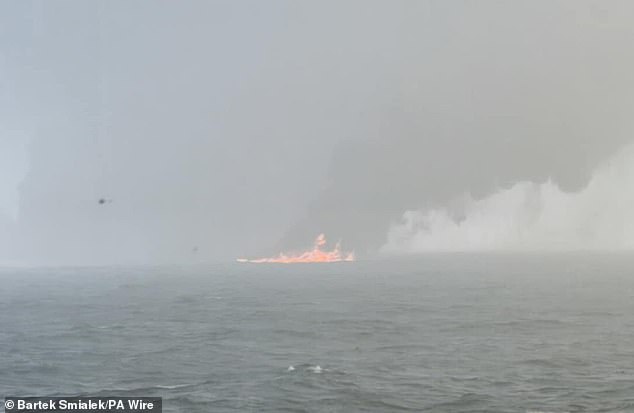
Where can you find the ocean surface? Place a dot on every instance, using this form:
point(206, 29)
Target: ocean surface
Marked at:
point(439, 333)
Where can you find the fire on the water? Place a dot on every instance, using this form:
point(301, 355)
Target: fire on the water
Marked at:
point(316, 254)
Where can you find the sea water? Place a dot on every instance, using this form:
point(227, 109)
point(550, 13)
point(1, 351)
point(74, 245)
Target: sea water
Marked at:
point(436, 333)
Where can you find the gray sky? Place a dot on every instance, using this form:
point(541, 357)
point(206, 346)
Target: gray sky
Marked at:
point(242, 127)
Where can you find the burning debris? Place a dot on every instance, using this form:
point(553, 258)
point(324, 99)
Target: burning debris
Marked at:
point(316, 254)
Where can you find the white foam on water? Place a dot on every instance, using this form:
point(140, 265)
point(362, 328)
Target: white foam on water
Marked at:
point(173, 387)
point(315, 369)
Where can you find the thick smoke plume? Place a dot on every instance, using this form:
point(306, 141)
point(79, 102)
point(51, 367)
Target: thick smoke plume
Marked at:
point(530, 216)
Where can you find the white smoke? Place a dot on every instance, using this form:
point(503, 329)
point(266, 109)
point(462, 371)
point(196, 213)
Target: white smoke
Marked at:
point(531, 217)
point(13, 168)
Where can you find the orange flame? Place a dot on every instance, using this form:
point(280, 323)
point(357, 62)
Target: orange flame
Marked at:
point(314, 255)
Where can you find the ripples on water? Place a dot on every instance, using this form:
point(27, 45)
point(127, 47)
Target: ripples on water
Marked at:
point(439, 334)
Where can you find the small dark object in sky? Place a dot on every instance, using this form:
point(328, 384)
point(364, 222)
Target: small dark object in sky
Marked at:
point(104, 200)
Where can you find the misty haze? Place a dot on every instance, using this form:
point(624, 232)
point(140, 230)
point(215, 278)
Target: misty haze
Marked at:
point(318, 206)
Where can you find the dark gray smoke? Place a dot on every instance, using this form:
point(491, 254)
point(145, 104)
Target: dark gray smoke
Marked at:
point(225, 129)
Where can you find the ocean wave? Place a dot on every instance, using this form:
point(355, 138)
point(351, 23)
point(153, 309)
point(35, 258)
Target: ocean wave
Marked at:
point(176, 386)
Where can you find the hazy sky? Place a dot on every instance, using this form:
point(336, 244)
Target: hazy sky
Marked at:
point(241, 127)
